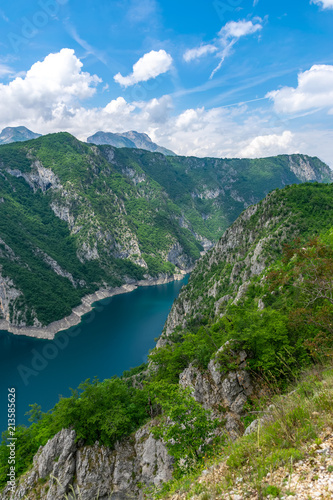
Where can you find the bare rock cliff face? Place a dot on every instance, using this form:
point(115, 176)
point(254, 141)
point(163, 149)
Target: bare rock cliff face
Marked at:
point(62, 467)
point(8, 295)
point(223, 392)
point(304, 170)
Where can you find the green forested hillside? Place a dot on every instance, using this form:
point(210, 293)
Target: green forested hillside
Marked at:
point(281, 319)
point(213, 192)
point(75, 216)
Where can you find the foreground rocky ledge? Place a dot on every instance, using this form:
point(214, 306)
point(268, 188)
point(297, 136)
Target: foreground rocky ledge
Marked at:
point(62, 466)
point(49, 332)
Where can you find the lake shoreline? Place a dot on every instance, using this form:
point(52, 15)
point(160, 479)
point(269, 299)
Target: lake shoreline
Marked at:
point(75, 318)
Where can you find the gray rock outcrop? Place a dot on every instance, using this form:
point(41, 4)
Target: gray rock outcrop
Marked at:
point(63, 467)
point(223, 392)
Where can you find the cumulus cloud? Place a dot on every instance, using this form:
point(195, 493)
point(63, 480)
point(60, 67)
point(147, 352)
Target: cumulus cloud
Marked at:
point(156, 111)
point(269, 145)
point(48, 86)
point(314, 90)
point(149, 66)
point(325, 4)
point(226, 39)
point(119, 106)
point(197, 52)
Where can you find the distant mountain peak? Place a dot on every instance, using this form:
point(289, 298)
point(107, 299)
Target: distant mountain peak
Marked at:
point(130, 139)
point(17, 134)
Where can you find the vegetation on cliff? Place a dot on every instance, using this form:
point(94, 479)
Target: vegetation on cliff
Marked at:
point(282, 319)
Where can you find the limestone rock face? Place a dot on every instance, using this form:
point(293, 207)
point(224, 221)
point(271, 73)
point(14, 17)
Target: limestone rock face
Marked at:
point(94, 480)
point(8, 294)
point(303, 169)
point(56, 459)
point(63, 212)
point(225, 393)
point(40, 177)
point(178, 257)
point(63, 466)
point(10, 311)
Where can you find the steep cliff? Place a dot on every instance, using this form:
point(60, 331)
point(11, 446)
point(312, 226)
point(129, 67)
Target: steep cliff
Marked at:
point(63, 466)
point(246, 249)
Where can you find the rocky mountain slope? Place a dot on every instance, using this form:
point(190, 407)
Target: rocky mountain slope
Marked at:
point(246, 468)
point(209, 380)
point(96, 217)
point(253, 242)
point(16, 134)
point(131, 139)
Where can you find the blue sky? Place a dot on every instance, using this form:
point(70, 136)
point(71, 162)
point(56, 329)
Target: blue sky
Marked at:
point(208, 78)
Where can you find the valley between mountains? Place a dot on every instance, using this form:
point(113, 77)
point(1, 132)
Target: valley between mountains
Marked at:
point(238, 388)
point(80, 220)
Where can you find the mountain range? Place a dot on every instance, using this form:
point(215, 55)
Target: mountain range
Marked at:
point(130, 139)
point(16, 134)
point(76, 217)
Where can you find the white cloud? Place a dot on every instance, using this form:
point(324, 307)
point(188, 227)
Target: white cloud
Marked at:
point(325, 4)
point(203, 50)
point(149, 66)
point(156, 111)
point(47, 86)
point(269, 145)
point(238, 29)
point(119, 107)
point(230, 34)
point(314, 90)
point(226, 39)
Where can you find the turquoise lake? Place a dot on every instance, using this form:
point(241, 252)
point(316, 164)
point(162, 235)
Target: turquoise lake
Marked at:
point(116, 336)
